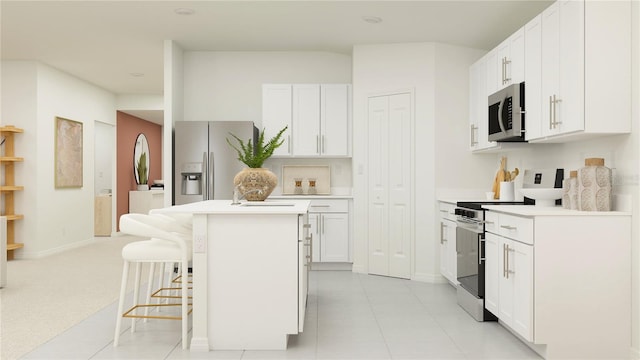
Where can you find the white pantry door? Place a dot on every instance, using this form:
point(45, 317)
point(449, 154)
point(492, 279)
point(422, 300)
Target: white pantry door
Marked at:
point(390, 209)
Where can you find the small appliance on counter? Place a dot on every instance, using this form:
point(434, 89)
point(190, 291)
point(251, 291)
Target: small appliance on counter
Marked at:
point(538, 180)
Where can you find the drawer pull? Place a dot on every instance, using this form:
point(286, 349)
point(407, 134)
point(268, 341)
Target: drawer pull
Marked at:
point(306, 226)
point(509, 227)
point(324, 206)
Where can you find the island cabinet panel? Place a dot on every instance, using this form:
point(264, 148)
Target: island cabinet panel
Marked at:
point(253, 281)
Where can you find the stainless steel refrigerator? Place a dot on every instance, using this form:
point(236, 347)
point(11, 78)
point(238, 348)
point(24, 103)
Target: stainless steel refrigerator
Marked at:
point(203, 163)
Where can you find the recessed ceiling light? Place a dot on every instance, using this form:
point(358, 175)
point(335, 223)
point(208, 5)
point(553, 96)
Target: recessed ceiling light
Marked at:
point(184, 11)
point(136, 74)
point(372, 19)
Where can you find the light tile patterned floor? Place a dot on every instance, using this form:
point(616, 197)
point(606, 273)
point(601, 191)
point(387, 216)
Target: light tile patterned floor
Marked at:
point(349, 316)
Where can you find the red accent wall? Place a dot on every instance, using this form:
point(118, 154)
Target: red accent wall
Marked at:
point(128, 128)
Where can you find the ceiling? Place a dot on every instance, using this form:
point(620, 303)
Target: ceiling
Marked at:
point(118, 45)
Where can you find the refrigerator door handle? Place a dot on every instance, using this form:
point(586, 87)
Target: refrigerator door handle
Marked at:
point(210, 175)
point(205, 179)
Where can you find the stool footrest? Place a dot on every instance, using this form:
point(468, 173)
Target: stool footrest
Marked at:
point(128, 314)
point(157, 294)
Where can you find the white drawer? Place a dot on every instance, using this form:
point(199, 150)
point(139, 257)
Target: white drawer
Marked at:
point(492, 222)
point(329, 205)
point(516, 228)
point(446, 211)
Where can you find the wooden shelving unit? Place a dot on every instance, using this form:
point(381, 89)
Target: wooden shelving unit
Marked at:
point(9, 188)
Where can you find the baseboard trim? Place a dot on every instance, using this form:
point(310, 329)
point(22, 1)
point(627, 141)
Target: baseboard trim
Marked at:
point(429, 278)
point(358, 269)
point(26, 255)
point(340, 266)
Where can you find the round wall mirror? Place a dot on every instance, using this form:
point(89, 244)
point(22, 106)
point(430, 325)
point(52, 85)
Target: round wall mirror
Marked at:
point(141, 159)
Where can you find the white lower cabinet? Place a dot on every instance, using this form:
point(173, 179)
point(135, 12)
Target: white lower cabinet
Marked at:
point(304, 259)
point(448, 253)
point(509, 283)
point(560, 278)
point(329, 220)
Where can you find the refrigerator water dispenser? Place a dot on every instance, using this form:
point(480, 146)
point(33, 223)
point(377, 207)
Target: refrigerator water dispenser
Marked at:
point(192, 179)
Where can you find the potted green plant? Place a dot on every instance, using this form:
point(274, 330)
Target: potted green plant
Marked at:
point(142, 170)
point(256, 183)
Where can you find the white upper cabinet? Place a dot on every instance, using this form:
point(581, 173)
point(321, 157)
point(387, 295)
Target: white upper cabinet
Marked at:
point(492, 72)
point(533, 78)
point(276, 114)
point(478, 106)
point(319, 116)
point(510, 60)
point(306, 119)
point(335, 110)
point(585, 64)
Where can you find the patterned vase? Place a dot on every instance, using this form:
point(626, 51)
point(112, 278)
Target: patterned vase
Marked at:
point(594, 186)
point(250, 180)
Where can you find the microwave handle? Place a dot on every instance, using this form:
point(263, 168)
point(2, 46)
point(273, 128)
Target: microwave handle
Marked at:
point(502, 129)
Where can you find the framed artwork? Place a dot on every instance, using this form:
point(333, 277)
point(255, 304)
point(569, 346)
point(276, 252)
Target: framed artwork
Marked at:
point(68, 153)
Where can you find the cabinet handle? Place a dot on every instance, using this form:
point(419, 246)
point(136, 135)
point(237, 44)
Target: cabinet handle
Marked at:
point(509, 271)
point(480, 256)
point(504, 260)
point(555, 113)
point(502, 71)
point(289, 144)
point(507, 262)
point(322, 222)
point(322, 145)
point(442, 226)
point(509, 227)
point(474, 141)
point(444, 211)
point(550, 112)
point(322, 206)
point(318, 144)
point(318, 225)
point(507, 62)
point(306, 226)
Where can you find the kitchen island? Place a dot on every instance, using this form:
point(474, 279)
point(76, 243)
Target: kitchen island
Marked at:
point(250, 265)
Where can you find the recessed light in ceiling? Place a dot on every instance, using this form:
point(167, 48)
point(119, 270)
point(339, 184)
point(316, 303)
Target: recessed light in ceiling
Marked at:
point(184, 11)
point(372, 19)
point(136, 74)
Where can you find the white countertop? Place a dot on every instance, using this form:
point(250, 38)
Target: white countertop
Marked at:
point(245, 208)
point(310, 197)
point(532, 210)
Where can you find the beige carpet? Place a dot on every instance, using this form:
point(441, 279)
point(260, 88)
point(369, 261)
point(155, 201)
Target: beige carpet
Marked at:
point(45, 297)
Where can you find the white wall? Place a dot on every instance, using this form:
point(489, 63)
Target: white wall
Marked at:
point(44, 93)
point(173, 110)
point(227, 86)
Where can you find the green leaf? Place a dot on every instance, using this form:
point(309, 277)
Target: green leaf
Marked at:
point(255, 156)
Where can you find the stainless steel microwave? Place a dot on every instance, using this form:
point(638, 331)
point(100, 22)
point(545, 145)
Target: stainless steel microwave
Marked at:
point(506, 114)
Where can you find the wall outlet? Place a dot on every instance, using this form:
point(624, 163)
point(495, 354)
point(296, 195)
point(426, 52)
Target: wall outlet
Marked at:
point(200, 243)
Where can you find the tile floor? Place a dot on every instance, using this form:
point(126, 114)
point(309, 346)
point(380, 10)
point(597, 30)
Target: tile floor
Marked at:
point(349, 316)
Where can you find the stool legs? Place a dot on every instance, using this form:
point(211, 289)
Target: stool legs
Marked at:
point(123, 290)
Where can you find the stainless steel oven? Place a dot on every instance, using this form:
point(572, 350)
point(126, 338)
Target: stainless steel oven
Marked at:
point(470, 248)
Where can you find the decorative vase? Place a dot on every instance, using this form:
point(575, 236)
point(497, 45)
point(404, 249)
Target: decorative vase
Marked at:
point(143, 187)
point(594, 186)
point(251, 180)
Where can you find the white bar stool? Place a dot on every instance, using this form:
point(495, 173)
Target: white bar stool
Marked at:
point(163, 246)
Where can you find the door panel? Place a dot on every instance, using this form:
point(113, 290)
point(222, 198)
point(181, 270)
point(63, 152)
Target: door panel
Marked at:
point(334, 124)
point(390, 159)
point(306, 117)
point(334, 247)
